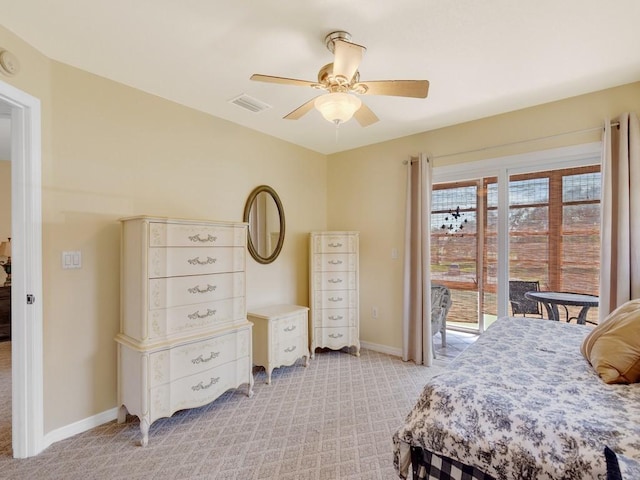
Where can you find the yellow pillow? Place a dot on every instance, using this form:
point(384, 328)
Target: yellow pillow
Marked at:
point(613, 347)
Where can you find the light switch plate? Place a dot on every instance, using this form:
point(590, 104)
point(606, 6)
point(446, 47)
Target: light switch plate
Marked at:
point(72, 259)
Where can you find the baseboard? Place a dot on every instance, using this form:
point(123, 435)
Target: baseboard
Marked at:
point(396, 352)
point(79, 426)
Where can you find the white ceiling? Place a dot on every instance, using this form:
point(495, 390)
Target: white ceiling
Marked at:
point(481, 57)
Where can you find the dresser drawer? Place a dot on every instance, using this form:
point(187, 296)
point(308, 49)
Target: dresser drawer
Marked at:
point(185, 360)
point(292, 326)
point(335, 317)
point(199, 389)
point(170, 322)
point(176, 261)
point(335, 243)
point(176, 235)
point(177, 291)
point(286, 351)
point(334, 281)
point(336, 299)
point(337, 337)
point(335, 262)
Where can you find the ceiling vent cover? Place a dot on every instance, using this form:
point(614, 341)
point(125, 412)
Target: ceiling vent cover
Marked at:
point(249, 103)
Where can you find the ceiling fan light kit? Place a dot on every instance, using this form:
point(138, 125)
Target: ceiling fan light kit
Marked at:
point(341, 79)
point(337, 107)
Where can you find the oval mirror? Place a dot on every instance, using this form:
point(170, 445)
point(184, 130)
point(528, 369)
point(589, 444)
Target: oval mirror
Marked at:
point(265, 216)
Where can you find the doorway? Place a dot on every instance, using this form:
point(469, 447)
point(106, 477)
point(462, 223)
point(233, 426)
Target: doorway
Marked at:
point(27, 425)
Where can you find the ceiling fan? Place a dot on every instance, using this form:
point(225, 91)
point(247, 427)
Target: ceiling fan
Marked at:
point(341, 80)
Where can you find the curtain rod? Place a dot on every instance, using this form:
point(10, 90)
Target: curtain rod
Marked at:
point(573, 132)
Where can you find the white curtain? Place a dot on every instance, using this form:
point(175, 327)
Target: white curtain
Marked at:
point(620, 217)
point(416, 320)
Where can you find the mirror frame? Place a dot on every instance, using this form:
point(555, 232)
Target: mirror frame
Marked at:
point(247, 209)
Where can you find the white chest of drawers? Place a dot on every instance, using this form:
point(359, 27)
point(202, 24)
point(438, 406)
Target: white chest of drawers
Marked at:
point(184, 337)
point(280, 336)
point(334, 290)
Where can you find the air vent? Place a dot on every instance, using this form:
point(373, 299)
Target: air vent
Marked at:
point(250, 103)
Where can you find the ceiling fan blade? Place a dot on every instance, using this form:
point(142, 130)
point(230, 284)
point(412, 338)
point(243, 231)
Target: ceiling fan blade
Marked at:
point(365, 116)
point(347, 58)
point(282, 80)
point(301, 110)
point(398, 88)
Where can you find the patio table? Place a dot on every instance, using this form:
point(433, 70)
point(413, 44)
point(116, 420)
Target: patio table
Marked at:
point(551, 300)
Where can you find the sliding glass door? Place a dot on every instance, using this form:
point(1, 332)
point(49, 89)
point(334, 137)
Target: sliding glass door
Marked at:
point(554, 231)
point(550, 223)
point(455, 247)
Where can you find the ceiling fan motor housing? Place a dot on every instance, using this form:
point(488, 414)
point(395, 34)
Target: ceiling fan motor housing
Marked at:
point(327, 80)
point(331, 38)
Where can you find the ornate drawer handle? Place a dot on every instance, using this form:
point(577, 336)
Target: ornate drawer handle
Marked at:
point(335, 335)
point(335, 299)
point(335, 245)
point(197, 261)
point(290, 349)
point(194, 315)
point(335, 280)
point(197, 289)
point(335, 262)
point(336, 317)
point(198, 360)
point(290, 328)
point(198, 238)
point(201, 386)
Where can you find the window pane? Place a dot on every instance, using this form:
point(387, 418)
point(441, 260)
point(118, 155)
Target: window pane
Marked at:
point(581, 251)
point(585, 186)
point(529, 230)
point(451, 198)
point(454, 249)
point(527, 192)
point(492, 195)
point(530, 219)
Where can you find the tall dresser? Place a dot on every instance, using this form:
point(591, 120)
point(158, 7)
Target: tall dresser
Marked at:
point(184, 335)
point(334, 290)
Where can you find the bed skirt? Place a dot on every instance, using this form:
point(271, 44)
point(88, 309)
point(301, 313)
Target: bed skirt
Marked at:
point(426, 465)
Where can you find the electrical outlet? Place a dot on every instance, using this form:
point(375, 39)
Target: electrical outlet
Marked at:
point(374, 312)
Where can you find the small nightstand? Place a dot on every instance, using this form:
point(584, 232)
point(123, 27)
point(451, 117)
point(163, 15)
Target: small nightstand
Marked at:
point(280, 336)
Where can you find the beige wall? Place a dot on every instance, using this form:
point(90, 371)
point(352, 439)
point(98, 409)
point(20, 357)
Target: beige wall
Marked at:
point(113, 151)
point(366, 186)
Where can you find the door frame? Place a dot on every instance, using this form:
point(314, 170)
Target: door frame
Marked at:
point(27, 375)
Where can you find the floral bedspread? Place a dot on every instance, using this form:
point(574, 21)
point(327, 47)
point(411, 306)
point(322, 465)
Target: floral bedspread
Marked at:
point(522, 403)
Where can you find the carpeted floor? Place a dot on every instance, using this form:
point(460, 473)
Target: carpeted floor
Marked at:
point(331, 420)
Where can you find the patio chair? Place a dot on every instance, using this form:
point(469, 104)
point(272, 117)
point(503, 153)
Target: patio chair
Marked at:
point(521, 305)
point(440, 305)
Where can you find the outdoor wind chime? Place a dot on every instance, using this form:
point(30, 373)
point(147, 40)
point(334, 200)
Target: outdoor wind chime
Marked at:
point(456, 224)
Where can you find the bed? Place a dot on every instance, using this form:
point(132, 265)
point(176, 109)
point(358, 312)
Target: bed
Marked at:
point(521, 403)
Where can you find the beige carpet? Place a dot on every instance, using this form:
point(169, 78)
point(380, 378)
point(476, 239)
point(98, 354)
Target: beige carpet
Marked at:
point(331, 420)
